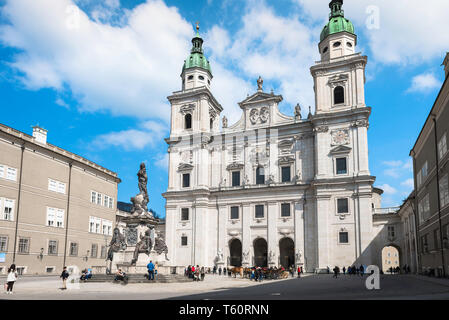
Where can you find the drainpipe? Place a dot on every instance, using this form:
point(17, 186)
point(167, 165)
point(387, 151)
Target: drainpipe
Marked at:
point(18, 203)
point(438, 194)
point(67, 217)
point(415, 211)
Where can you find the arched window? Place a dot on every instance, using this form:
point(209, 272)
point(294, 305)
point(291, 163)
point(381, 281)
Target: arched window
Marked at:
point(211, 123)
point(339, 95)
point(188, 121)
point(190, 78)
point(260, 175)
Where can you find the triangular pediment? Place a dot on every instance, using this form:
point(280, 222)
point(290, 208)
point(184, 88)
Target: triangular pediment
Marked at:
point(341, 149)
point(261, 96)
point(185, 167)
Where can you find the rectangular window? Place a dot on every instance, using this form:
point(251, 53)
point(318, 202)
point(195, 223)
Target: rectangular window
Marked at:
point(444, 190)
point(111, 203)
point(93, 197)
point(424, 171)
point(391, 232)
point(73, 249)
point(49, 269)
point(11, 174)
point(260, 175)
point(99, 198)
point(286, 174)
point(91, 224)
point(8, 209)
point(50, 217)
point(285, 210)
point(341, 165)
point(424, 244)
point(55, 217)
point(236, 178)
point(52, 247)
point(343, 237)
point(56, 186)
point(107, 227)
point(186, 180)
point(106, 201)
point(442, 146)
point(183, 241)
point(259, 211)
point(97, 225)
point(2, 171)
point(103, 252)
point(24, 245)
point(3, 243)
point(436, 239)
point(94, 251)
point(424, 208)
point(342, 205)
point(234, 213)
point(184, 214)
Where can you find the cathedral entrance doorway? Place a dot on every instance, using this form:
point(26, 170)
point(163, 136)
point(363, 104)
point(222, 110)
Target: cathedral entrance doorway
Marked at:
point(287, 252)
point(260, 253)
point(235, 249)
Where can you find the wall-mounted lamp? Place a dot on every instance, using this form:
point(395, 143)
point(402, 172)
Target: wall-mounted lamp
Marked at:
point(40, 256)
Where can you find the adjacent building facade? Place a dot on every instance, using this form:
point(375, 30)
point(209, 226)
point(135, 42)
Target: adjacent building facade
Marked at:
point(274, 189)
point(56, 208)
point(431, 195)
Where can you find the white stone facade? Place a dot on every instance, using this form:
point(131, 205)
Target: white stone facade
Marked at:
point(304, 208)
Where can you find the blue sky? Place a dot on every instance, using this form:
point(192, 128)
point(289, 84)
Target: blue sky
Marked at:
point(96, 74)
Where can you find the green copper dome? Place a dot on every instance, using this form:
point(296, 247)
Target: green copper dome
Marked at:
point(337, 21)
point(197, 58)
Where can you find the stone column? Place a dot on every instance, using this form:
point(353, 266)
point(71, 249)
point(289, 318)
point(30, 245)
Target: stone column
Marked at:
point(200, 222)
point(273, 246)
point(323, 212)
point(222, 236)
point(322, 143)
point(246, 233)
point(170, 230)
point(299, 231)
point(362, 132)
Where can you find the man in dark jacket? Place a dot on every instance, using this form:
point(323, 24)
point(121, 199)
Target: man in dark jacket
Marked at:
point(64, 275)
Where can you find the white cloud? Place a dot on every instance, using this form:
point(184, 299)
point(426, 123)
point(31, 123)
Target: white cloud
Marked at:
point(127, 70)
point(149, 134)
point(161, 161)
point(409, 183)
point(409, 30)
point(424, 83)
point(389, 190)
point(393, 172)
point(393, 163)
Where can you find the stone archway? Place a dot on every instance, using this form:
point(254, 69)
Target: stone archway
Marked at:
point(260, 252)
point(391, 257)
point(287, 252)
point(235, 253)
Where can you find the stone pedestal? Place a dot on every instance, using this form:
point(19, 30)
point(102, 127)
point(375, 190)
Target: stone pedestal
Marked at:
point(136, 229)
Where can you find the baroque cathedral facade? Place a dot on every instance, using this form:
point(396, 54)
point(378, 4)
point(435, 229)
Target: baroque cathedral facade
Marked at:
point(273, 189)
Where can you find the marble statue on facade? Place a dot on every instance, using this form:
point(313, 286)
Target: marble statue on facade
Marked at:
point(260, 84)
point(225, 122)
point(160, 246)
point(140, 201)
point(298, 112)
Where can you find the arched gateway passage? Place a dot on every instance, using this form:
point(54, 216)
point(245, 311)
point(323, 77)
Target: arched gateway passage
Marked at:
point(287, 252)
point(260, 253)
point(390, 258)
point(235, 249)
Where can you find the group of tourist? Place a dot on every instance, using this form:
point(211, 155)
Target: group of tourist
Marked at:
point(351, 270)
point(196, 273)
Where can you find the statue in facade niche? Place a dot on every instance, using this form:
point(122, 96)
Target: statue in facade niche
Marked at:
point(143, 246)
point(271, 257)
point(220, 256)
point(117, 243)
point(225, 122)
point(245, 256)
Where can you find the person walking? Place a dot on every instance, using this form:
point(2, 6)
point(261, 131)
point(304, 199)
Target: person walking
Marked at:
point(150, 268)
point(11, 279)
point(219, 271)
point(224, 271)
point(299, 272)
point(362, 270)
point(344, 270)
point(336, 271)
point(214, 270)
point(64, 275)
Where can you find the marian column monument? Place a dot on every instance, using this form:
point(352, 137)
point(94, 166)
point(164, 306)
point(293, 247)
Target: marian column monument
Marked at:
point(135, 242)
